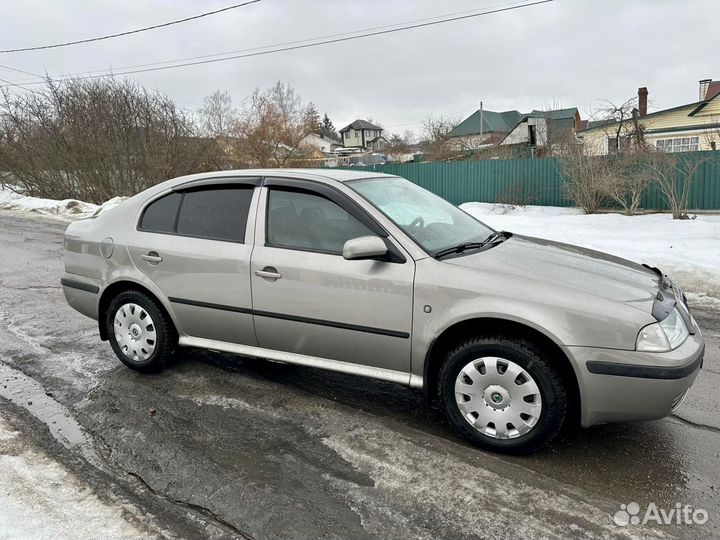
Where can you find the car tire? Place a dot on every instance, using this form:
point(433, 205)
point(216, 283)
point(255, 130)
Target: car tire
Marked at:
point(142, 336)
point(479, 404)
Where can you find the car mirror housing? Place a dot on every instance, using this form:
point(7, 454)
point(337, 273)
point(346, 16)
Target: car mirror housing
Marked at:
point(364, 247)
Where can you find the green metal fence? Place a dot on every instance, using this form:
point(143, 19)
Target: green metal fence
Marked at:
point(539, 181)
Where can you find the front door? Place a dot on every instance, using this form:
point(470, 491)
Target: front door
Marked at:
point(195, 245)
point(308, 299)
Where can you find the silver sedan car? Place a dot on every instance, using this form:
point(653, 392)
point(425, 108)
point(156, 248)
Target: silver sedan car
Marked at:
point(371, 275)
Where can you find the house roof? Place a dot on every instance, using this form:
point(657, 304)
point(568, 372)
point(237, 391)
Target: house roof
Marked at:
point(713, 90)
point(324, 138)
point(559, 114)
point(492, 122)
point(696, 107)
point(360, 124)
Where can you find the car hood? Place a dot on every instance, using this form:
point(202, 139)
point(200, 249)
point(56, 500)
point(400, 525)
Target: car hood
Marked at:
point(571, 267)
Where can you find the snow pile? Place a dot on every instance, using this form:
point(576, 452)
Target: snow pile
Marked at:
point(687, 250)
point(40, 498)
point(67, 209)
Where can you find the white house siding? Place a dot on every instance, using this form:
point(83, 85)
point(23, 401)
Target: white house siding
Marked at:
point(521, 133)
point(353, 137)
point(596, 141)
point(318, 142)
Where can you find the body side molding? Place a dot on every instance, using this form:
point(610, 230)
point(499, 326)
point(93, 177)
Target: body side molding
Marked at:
point(382, 374)
point(296, 318)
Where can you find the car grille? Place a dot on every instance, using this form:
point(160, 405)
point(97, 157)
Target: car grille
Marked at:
point(678, 401)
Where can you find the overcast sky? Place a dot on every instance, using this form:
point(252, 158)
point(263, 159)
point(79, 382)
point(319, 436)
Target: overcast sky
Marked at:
point(572, 52)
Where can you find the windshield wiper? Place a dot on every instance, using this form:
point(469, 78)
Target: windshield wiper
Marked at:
point(494, 238)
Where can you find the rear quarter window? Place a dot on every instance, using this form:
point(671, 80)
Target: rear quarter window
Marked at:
point(160, 215)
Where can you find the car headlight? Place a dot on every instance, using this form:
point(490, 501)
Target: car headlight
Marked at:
point(663, 336)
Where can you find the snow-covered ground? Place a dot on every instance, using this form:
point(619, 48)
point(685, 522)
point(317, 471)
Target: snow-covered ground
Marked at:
point(40, 499)
point(68, 208)
point(687, 250)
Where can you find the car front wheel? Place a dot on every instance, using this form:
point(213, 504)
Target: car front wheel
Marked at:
point(140, 333)
point(502, 394)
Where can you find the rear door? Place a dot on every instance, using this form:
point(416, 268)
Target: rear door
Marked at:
point(195, 244)
point(308, 299)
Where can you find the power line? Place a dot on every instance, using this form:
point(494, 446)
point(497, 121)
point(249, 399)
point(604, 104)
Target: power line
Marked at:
point(10, 83)
point(278, 48)
point(16, 70)
point(285, 43)
point(129, 32)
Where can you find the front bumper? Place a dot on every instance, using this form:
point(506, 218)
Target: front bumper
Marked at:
point(618, 386)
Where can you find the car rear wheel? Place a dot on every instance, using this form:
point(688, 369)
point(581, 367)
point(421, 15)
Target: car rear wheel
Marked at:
point(503, 394)
point(140, 333)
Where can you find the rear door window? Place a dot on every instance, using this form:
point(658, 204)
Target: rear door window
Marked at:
point(215, 213)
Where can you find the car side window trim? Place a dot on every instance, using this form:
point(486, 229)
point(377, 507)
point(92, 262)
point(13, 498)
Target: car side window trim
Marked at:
point(197, 185)
point(177, 213)
point(254, 181)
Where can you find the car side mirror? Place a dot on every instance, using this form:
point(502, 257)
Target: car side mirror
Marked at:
point(364, 247)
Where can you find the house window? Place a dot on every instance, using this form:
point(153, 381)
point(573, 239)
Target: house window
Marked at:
point(679, 144)
point(532, 136)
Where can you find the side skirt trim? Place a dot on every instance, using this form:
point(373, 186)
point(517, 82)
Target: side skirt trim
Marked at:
point(304, 360)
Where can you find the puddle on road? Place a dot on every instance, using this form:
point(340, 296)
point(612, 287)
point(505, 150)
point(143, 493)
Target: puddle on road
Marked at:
point(21, 390)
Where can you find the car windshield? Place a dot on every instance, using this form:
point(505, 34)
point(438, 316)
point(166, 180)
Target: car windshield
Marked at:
point(431, 221)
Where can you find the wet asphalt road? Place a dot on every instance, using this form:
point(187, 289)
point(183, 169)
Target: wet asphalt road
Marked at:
point(225, 447)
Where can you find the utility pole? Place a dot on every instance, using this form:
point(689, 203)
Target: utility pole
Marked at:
point(481, 123)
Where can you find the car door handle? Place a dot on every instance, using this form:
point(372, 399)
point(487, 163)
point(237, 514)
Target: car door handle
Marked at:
point(268, 273)
point(152, 257)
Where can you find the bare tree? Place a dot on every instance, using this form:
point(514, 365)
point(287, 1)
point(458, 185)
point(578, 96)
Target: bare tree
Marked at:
point(584, 181)
point(408, 136)
point(712, 135)
point(95, 139)
point(217, 114)
point(516, 195)
point(623, 128)
point(626, 179)
point(271, 128)
point(439, 145)
point(398, 146)
point(674, 173)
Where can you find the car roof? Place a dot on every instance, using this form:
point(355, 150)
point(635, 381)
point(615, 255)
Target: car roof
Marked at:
point(340, 175)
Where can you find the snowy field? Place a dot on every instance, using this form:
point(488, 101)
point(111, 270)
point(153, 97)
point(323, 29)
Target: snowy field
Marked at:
point(687, 250)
